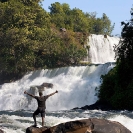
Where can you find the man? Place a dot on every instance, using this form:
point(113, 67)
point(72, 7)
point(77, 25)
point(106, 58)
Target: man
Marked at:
point(41, 105)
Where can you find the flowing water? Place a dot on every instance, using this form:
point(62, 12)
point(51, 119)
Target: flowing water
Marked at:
point(102, 48)
point(18, 121)
point(77, 86)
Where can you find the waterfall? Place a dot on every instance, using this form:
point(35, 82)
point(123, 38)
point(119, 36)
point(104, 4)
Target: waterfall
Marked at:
point(77, 86)
point(101, 48)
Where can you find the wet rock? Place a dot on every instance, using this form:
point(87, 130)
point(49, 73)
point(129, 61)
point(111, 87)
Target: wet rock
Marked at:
point(1, 131)
point(36, 129)
point(93, 125)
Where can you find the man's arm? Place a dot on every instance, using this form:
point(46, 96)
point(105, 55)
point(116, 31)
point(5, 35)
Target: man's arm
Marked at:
point(52, 93)
point(25, 92)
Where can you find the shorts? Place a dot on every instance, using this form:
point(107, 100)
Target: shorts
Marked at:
point(41, 111)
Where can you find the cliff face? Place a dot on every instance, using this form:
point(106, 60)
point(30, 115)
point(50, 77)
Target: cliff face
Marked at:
point(92, 125)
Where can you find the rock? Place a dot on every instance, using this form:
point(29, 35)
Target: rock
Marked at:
point(81, 126)
point(41, 87)
point(98, 105)
point(48, 85)
point(62, 29)
point(1, 131)
point(35, 129)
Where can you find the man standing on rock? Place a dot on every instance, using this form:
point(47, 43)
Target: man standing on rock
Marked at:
point(41, 105)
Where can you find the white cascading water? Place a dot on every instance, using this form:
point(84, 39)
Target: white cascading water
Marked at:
point(102, 48)
point(76, 86)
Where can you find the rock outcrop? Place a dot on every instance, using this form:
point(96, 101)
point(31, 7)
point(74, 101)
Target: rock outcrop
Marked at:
point(92, 125)
point(36, 129)
point(1, 131)
point(98, 105)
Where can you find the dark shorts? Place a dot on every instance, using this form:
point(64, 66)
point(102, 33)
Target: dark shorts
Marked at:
point(41, 111)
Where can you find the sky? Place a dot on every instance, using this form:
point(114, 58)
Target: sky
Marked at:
point(116, 10)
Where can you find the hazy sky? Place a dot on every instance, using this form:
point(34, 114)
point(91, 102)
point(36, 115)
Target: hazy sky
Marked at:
point(116, 10)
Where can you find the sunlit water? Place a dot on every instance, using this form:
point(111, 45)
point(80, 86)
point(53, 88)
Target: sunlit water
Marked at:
point(102, 48)
point(77, 87)
point(17, 121)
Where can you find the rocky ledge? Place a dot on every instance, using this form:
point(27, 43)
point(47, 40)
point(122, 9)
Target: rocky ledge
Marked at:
point(92, 125)
point(98, 105)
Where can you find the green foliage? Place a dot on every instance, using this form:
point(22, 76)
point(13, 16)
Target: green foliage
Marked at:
point(117, 85)
point(78, 21)
point(124, 54)
point(22, 32)
point(64, 48)
point(107, 87)
point(102, 25)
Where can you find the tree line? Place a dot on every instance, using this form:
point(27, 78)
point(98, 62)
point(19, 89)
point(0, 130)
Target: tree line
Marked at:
point(32, 38)
point(78, 21)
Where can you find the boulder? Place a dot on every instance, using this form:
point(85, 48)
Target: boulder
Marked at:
point(1, 131)
point(92, 125)
point(41, 87)
point(33, 129)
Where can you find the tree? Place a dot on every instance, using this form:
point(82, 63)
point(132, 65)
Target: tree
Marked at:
point(60, 15)
point(124, 53)
point(117, 85)
point(22, 31)
point(102, 25)
point(98, 26)
point(80, 21)
point(107, 27)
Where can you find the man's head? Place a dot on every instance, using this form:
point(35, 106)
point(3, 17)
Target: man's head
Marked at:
point(40, 93)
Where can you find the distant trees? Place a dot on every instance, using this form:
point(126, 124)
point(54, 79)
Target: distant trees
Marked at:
point(117, 86)
point(78, 21)
point(103, 25)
